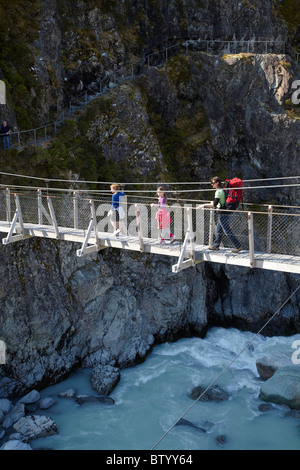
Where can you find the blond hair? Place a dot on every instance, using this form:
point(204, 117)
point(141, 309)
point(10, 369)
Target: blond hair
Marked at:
point(115, 187)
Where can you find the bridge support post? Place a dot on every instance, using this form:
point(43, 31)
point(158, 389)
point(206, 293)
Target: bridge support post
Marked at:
point(189, 237)
point(41, 210)
point(86, 249)
point(191, 233)
point(211, 227)
point(139, 227)
point(75, 208)
point(52, 213)
point(270, 223)
point(93, 211)
point(7, 198)
point(251, 239)
point(17, 217)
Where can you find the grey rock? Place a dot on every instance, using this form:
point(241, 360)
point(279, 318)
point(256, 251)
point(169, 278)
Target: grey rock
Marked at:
point(30, 398)
point(17, 412)
point(15, 445)
point(97, 358)
point(264, 407)
point(46, 403)
point(16, 437)
point(267, 365)
point(5, 405)
point(33, 427)
point(104, 379)
point(221, 440)
point(10, 387)
point(185, 422)
point(215, 393)
point(8, 422)
point(81, 399)
point(283, 388)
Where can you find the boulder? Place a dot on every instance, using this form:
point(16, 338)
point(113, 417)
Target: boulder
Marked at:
point(17, 436)
point(283, 388)
point(267, 365)
point(213, 394)
point(221, 440)
point(80, 399)
point(15, 445)
point(5, 405)
point(15, 414)
point(264, 407)
point(33, 427)
point(30, 398)
point(185, 422)
point(46, 403)
point(104, 379)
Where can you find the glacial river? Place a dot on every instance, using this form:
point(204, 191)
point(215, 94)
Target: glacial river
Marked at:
point(152, 396)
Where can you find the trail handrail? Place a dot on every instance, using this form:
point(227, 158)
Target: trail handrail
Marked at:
point(134, 69)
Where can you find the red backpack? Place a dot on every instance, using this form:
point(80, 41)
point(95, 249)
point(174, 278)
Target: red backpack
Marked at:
point(233, 195)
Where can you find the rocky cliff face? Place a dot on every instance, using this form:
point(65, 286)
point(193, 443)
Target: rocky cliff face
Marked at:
point(59, 311)
point(83, 44)
point(69, 46)
point(196, 115)
point(200, 115)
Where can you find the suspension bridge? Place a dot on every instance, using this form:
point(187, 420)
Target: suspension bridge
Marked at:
point(269, 235)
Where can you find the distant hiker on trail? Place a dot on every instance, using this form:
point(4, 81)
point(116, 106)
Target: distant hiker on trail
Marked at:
point(223, 227)
point(163, 217)
point(116, 212)
point(4, 132)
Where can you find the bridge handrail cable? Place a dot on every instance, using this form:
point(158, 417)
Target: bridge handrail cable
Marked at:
point(194, 229)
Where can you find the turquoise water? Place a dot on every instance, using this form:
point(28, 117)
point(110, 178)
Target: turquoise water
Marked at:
point(152, 396)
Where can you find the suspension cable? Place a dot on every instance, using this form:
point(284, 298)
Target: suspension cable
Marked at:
point(136, 184)
point(227, 367)
point(106, 191)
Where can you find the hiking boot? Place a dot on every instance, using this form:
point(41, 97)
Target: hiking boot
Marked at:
point(237, 250)
point(213, 248)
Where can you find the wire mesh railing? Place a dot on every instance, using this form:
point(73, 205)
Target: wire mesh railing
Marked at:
point(270, 230)
point(34, 137)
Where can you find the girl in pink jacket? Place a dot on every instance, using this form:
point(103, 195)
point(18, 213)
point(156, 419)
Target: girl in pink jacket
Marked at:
point(163, 217)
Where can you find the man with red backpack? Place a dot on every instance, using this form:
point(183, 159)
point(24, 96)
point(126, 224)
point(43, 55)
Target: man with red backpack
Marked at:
point(234, 193)
point(230, 203)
